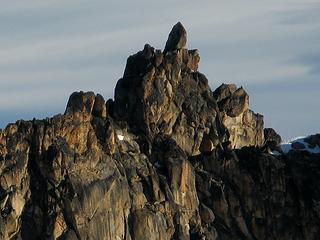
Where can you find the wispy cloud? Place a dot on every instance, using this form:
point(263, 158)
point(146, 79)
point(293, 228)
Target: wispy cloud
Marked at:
point(311, 61)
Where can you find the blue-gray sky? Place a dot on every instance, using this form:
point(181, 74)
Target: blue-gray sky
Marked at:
point(48, 49)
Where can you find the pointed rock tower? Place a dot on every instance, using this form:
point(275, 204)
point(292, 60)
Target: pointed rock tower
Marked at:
point(162, 93)
point(177, 38)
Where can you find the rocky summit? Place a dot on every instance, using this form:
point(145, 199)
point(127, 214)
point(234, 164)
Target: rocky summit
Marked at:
point(167, 158)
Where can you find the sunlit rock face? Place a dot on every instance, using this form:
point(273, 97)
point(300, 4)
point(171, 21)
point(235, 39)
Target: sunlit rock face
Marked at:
point(166, 159)
point(163, 93)
point(245, 127)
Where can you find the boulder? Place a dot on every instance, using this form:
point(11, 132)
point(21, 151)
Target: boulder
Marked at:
point(234, 104)
point(224, 91)
point(270, 135)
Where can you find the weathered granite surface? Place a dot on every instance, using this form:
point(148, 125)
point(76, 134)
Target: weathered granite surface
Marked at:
point(166, 159)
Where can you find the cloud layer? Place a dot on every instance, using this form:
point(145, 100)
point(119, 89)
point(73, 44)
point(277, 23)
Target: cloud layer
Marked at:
point(48, 49)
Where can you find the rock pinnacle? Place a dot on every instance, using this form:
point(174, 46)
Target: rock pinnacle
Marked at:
point(177, 38)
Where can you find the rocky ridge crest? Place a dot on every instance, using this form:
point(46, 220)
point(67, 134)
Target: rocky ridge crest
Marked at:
point(166, 159)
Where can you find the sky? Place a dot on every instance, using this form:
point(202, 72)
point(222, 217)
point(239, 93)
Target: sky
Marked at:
point(49, 49)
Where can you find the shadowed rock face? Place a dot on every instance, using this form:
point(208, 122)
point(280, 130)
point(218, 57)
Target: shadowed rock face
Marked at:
point(166, 159)
point(177, 38)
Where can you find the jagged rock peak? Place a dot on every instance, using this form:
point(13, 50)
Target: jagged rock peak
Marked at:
point(177, 38)
point(86, 102)
point(157, 163)
point(163, 93)
point(231, 99)
point(245, 127)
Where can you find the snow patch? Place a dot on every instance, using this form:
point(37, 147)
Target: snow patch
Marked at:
point(287, 146)
point(275, 152)
point(120, 137)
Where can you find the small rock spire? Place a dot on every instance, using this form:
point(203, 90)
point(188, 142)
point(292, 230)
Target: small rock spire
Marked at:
point(177, 38)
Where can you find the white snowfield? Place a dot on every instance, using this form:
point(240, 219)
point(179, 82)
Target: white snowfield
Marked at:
point(120, 137)
point(301, 145)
